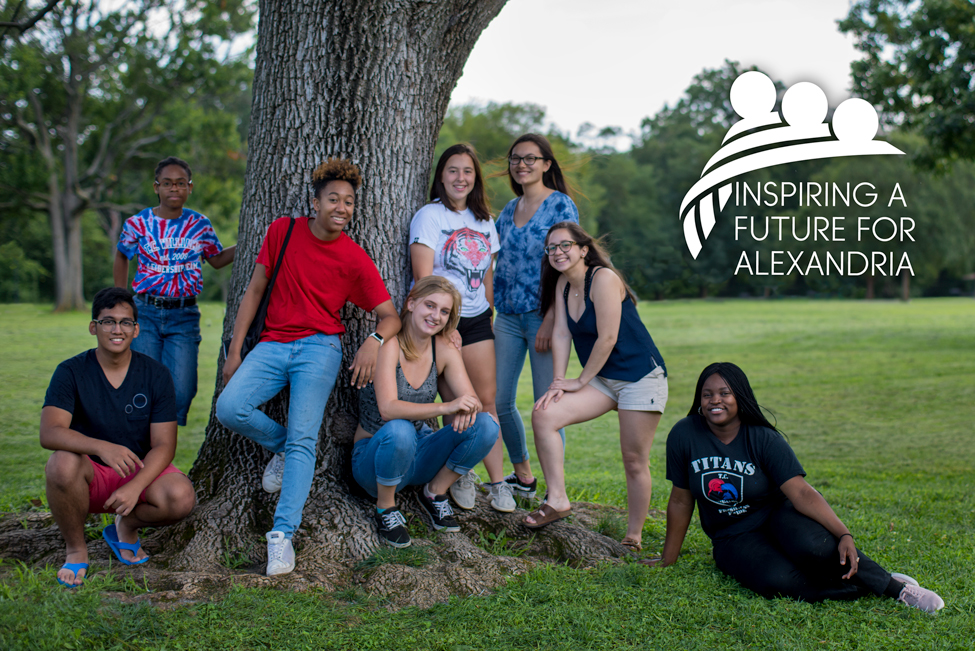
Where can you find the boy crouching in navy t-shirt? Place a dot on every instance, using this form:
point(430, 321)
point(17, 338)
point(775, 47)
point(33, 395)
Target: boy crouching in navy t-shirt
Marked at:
point(321, 269)
point(110, 417)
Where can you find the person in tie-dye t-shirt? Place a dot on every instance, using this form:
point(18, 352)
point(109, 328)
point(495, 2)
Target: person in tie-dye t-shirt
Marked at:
point(171, 243)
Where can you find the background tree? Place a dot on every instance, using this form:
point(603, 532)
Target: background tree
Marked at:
point(82, 95)
point(16, 17)
point(918, 62)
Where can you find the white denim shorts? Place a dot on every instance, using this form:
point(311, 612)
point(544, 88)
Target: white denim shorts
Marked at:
point(649, 393)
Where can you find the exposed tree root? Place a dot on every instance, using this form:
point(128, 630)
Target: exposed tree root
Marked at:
point(491, 548)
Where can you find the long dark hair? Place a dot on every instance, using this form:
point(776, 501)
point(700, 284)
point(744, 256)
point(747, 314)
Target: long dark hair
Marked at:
point(477, 199)
point(551, 179)
point(749, 411)
point(596, 257)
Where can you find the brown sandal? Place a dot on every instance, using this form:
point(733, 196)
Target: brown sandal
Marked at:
point(632, 545)
point(545, 515)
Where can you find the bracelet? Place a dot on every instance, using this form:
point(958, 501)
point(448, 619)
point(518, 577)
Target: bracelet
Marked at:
point(846, 534)
point(378, 337)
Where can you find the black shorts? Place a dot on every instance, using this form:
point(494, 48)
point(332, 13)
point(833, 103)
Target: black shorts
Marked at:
point(473, 329)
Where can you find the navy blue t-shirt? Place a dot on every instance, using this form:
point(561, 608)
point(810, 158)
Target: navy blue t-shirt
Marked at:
point(100, 411)
point(735, 486)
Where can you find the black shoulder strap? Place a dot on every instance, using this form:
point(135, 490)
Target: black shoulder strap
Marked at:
point(565, 291)
point(590, 272)
point(277, 266)
point(433, 346)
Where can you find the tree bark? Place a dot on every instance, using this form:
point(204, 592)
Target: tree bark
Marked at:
point(367, 80)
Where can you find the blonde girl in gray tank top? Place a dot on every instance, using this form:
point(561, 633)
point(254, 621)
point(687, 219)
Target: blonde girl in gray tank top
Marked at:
point(394, 447)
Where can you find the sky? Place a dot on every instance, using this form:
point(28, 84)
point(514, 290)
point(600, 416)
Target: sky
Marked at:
point(614, 62)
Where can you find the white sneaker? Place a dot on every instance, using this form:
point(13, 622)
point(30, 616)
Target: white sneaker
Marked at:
point(273, 474)
point(280, 553)
point(502, 497)
point(462, 491)
point(903, 578)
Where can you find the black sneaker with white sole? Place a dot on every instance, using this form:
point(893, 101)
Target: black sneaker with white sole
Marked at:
point(440, 512)
point(391, 525)
point(521, 489)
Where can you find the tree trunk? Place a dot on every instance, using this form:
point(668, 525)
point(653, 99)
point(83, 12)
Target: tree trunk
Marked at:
point(66, 240)
point(871, 284)
point(905, 286)
point(111, 222)
point(367, 80)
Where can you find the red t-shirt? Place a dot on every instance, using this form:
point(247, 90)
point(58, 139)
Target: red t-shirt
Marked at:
point(315, 281)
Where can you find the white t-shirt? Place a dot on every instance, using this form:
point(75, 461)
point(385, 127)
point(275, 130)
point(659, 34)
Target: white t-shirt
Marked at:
point(463, 248)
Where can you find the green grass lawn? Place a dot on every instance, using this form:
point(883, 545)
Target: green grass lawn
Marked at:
point(878, 400)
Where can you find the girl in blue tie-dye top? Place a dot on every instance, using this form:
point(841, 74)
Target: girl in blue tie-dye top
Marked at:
point(542, 201)
point(171, 243)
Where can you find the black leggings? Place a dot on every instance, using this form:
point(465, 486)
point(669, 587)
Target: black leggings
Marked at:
point(794, 556)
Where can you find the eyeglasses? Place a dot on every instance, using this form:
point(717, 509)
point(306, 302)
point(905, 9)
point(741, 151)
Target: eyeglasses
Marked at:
point(166, 184)
point(108, 325)
point(529, 160)
point(565, 245)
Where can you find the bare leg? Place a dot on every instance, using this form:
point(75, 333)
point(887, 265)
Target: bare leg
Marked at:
point(480, 364)
point(169, 499)
point(576, 407)
point(442, 481)
point(67, 477)
point(385, 496)
point(637, 429)
point(524, 471)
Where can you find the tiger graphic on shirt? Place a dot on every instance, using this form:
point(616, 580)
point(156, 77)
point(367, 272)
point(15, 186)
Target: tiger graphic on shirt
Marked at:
point(467, 252)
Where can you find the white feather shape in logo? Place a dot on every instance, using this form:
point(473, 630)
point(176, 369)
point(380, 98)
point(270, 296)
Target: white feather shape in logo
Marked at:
point(803, 131)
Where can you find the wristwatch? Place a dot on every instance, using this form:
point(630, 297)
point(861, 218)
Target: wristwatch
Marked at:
point(378, 337)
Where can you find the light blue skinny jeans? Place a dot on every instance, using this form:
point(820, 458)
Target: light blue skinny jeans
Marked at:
point(310, 366)
point(514, 335)
point(398, 455)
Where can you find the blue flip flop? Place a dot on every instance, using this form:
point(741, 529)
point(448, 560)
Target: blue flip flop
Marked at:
point(74, 567)
point(110, 535)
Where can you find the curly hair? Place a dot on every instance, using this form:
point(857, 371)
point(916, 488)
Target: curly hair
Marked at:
point(335, 169)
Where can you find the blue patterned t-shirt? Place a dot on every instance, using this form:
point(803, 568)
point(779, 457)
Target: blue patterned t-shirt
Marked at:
point(171, 252)
point(519, 269)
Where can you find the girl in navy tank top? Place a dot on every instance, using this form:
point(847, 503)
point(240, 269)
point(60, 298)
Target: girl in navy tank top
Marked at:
point(623, 370)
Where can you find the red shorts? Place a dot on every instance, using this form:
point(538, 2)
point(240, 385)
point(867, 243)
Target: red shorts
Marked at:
point(106, 481)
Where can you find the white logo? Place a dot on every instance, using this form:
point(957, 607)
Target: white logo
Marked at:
point(760, 132)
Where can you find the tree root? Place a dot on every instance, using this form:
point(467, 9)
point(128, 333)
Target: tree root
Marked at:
point(491, 548)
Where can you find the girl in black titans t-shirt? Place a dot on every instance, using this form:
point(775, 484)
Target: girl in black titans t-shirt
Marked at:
point(770, 530)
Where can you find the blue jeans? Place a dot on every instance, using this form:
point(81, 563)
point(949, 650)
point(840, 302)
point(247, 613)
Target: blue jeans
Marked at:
point(310, 366)
point(400, 456)
point(514, 335)
point(172, 337)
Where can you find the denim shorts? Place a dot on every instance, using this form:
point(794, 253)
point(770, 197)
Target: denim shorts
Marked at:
point(649, 393)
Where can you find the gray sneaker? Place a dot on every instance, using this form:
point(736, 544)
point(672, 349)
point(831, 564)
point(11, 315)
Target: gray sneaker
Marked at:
point(462, 491)
point(921, 598)
point(273, 474)
point(502, 497)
